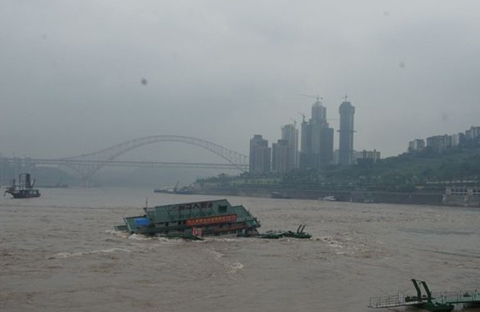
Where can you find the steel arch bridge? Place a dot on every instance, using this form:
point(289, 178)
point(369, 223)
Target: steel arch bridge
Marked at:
point(88, 164)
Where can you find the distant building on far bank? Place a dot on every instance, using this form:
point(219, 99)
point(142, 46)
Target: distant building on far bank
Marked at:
point(457, 139)
point(260, 155)
point(440, 143)
point(364, 155)
point(416, 145)
point(472, 133)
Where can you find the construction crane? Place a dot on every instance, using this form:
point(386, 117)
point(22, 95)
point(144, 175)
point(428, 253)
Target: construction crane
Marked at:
point(318, 98)
point(303, 116)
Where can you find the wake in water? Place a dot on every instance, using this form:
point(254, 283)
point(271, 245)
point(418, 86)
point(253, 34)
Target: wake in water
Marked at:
point(64, 255)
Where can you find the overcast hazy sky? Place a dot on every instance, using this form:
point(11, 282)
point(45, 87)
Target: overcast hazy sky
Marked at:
point(71, 71)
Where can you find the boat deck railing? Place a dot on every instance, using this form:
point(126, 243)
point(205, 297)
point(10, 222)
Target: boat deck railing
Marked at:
point(391, 301)
point(471, 296)
point(457, 296)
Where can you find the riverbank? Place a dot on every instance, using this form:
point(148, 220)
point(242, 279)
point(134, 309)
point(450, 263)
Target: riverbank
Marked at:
point(407, 198)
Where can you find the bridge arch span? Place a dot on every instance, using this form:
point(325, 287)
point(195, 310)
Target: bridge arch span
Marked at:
point(103, 156)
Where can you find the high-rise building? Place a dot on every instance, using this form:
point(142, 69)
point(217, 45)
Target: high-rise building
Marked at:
point(316, 149)
point(290, 134)
point(305, 146)
point(260, 155)
point(281, 156)
point(345, 149)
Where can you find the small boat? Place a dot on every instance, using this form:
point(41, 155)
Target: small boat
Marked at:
point(184, 190)
point(24, 188)
point(329, 198)
point(279, 195)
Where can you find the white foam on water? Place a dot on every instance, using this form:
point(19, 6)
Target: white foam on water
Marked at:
point(234, 267)
point(140, 237)
point(64, 255)
point(217, 254)
point(118, 233)
point(163, 239)
point(228, 239)
point(214, 239)
point(330, 242)
point(200, 241)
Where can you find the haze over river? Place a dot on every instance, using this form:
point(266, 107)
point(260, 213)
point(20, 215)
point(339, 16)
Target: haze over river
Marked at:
point(59, 252)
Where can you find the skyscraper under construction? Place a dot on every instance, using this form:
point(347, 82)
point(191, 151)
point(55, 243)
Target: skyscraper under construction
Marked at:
point(345, 149)
point(316, 148)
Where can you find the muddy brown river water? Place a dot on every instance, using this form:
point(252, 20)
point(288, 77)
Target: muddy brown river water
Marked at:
point(59, 252)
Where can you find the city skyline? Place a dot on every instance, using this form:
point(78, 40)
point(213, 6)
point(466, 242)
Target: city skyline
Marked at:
point(81, 76)
point(317, 146)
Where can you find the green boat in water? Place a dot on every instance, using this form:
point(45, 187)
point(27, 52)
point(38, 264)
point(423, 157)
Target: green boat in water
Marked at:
point(193, 220)
point(279, 234)
point(298, 234)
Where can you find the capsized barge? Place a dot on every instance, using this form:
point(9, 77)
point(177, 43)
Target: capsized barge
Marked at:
point(193, 220)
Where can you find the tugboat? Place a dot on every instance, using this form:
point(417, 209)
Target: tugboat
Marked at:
point(24, 188)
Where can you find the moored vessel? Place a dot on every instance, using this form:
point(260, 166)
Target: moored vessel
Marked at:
point(24, 188)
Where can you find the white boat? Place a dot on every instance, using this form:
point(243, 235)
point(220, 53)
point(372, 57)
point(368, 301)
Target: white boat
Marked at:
point(329, 198)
